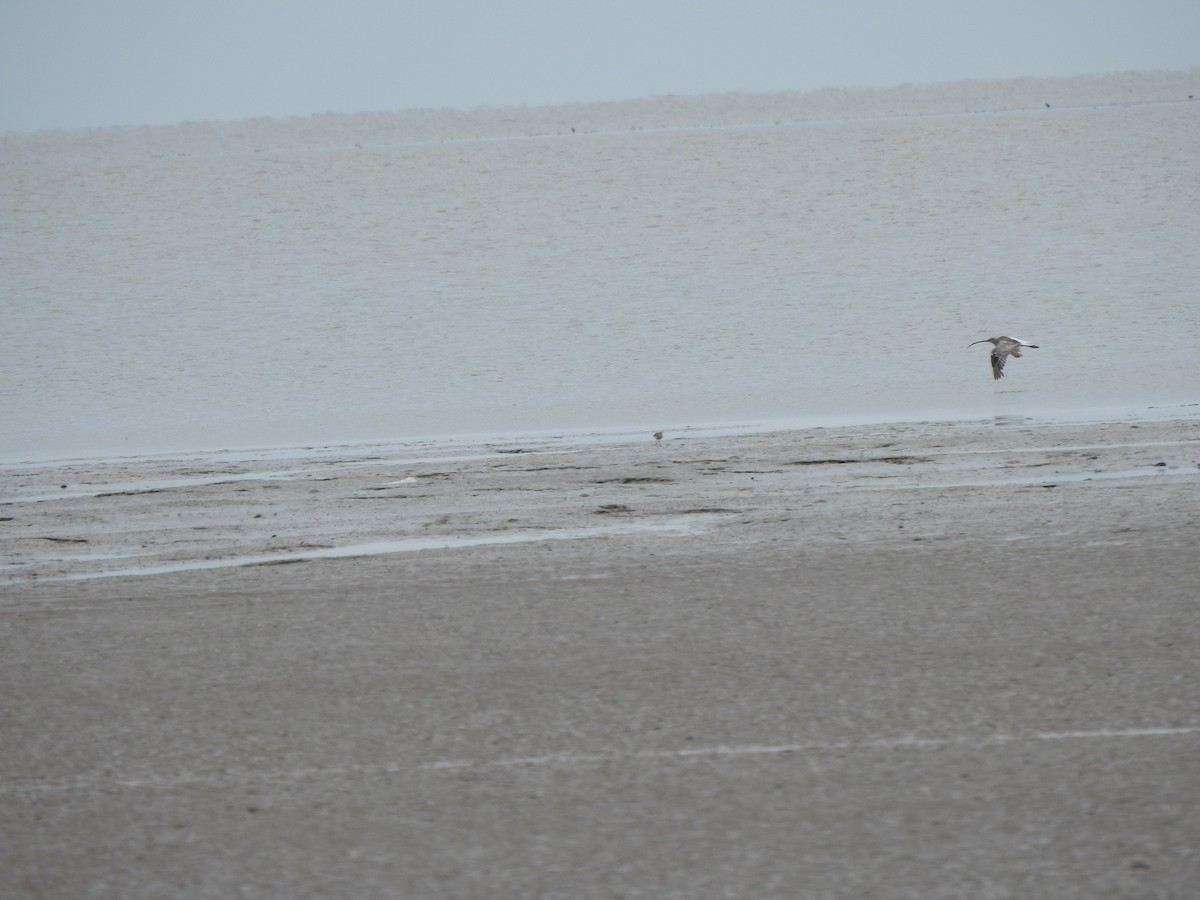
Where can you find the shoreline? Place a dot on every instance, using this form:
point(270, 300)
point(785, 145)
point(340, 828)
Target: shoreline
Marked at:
point(172, 514)
point(314, 449)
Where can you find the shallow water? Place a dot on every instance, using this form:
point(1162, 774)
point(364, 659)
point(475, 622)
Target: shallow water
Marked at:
point(680, 526)
point(270, 284)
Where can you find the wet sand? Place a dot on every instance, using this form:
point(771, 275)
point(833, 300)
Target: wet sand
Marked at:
point(920, 660)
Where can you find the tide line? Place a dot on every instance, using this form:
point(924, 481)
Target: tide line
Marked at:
point(230, 777)
point(899, 743)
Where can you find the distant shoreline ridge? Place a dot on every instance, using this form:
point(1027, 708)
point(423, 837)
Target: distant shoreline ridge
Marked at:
point(671, 111)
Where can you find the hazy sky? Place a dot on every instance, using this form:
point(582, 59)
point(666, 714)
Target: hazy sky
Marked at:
point(78, 63)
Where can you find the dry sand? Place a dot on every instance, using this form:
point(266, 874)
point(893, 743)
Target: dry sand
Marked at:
point(924, 660)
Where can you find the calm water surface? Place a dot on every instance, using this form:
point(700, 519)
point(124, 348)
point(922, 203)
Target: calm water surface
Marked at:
point(208, 287)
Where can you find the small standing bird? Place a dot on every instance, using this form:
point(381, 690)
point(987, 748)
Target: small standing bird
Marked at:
point(1004, 347)
point(658, 437)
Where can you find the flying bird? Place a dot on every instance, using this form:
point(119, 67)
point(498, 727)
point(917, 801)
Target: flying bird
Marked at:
point(1003, 348)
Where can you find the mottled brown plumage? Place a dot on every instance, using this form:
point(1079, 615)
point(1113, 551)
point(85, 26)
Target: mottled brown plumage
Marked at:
point(1004, 347)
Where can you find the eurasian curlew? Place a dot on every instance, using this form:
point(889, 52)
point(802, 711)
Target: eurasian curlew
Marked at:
point(1004, 347)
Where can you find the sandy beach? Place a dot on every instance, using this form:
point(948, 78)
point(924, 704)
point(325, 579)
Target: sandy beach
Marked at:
point(915, 660)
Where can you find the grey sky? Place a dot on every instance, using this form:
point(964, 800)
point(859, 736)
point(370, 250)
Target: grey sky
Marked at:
point(80, 63)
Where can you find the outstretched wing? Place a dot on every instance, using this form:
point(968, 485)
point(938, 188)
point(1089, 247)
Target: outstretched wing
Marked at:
point(998, 358)
point(1004, 347)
